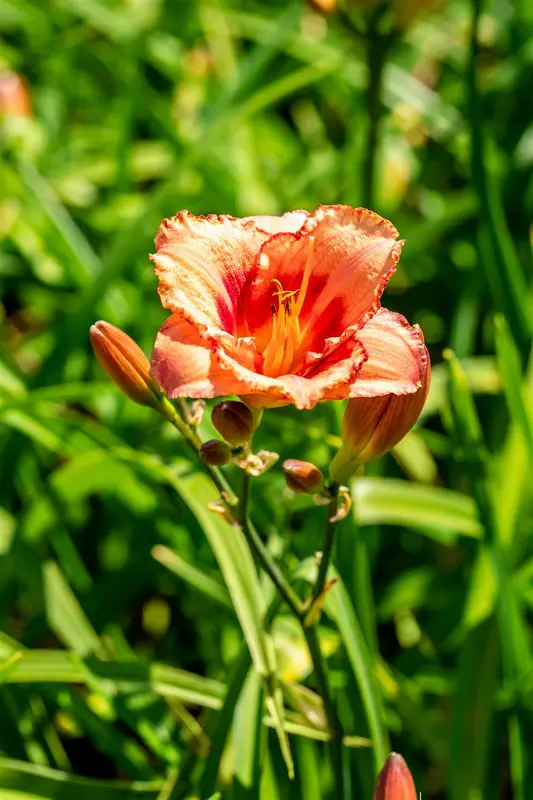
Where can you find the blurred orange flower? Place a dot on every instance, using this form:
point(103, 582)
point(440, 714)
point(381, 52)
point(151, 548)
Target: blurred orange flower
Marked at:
point(282, 309)
point(14, 97)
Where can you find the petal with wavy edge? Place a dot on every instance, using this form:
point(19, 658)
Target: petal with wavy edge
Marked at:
point(342, 257)
point(203, 264)
point(184, 363)
point(188, 364)
point(397, 357)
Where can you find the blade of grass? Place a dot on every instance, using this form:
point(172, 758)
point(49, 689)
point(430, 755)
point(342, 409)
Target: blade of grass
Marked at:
point(517, 659)
point(247, 735)
point(340, 609)
point(65, 615)
point(388, 501)
point(503, 269)
point(509, 364)
point(236, 564)
point(192, 575)
point(473, 712)
point(19, 778)
point(58, 666)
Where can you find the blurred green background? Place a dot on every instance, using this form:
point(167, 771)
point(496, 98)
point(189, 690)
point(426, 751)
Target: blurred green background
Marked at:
point(127, 111)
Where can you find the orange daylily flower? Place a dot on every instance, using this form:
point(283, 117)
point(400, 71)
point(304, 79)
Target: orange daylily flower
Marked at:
point(283, 309)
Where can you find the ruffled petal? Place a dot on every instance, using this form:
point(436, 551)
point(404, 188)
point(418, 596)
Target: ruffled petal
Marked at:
point(202, 264)
point(397, 357)
point(330, 380)
point(338, 264)
point(185, 364)
point(188, 364)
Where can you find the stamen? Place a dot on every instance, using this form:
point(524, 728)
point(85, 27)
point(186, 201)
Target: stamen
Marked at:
point(285, 334)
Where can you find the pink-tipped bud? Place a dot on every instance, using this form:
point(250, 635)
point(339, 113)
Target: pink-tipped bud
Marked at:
point(125, 363)
point(374, 425)
point(234, 421)
point(303, 477)
point(14, 97)
point(395, 781)
point(215, 452)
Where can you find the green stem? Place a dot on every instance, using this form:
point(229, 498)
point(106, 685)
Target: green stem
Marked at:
point(299, 610)
point(335, 742)
point(168, 411)
point(261, 552)
point(327, 549)
point(377, 46)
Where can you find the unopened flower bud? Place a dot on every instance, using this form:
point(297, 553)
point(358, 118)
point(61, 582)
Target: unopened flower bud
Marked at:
point(125, 363)
point(234, 421)
point(303, 477)
point(374, 425)
point(215, 452)
point(395, 782)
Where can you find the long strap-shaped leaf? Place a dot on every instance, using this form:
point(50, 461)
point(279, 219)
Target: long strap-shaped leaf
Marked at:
point(236, 564)
point(339, 607)
point(20, 781)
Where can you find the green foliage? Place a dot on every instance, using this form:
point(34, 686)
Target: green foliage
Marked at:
point(142, 653)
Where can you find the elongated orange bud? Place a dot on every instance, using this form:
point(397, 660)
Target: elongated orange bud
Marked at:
point(374, 425)
point(215, 452)
point(125, 363)
point(303, 477)
point(234, 421)
point(395, 781)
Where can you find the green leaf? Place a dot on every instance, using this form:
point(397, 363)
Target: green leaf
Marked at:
point(308, 769)
point(85, 262)
point(511, 370)
point(236, 564)
point(473, 710)
point(20, 781)
point(57, 666)
point(340, 609)
point(65, 615)
point(499, 257)
point(192, 575)
point(388, 501)
point(481, 374)
point(416, 459)
point(223, 722)
point(247, 738)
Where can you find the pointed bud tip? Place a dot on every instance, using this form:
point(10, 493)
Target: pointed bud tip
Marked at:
point(124, 362)
point(395, 781)
point(234, 421)
point(302, 476)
